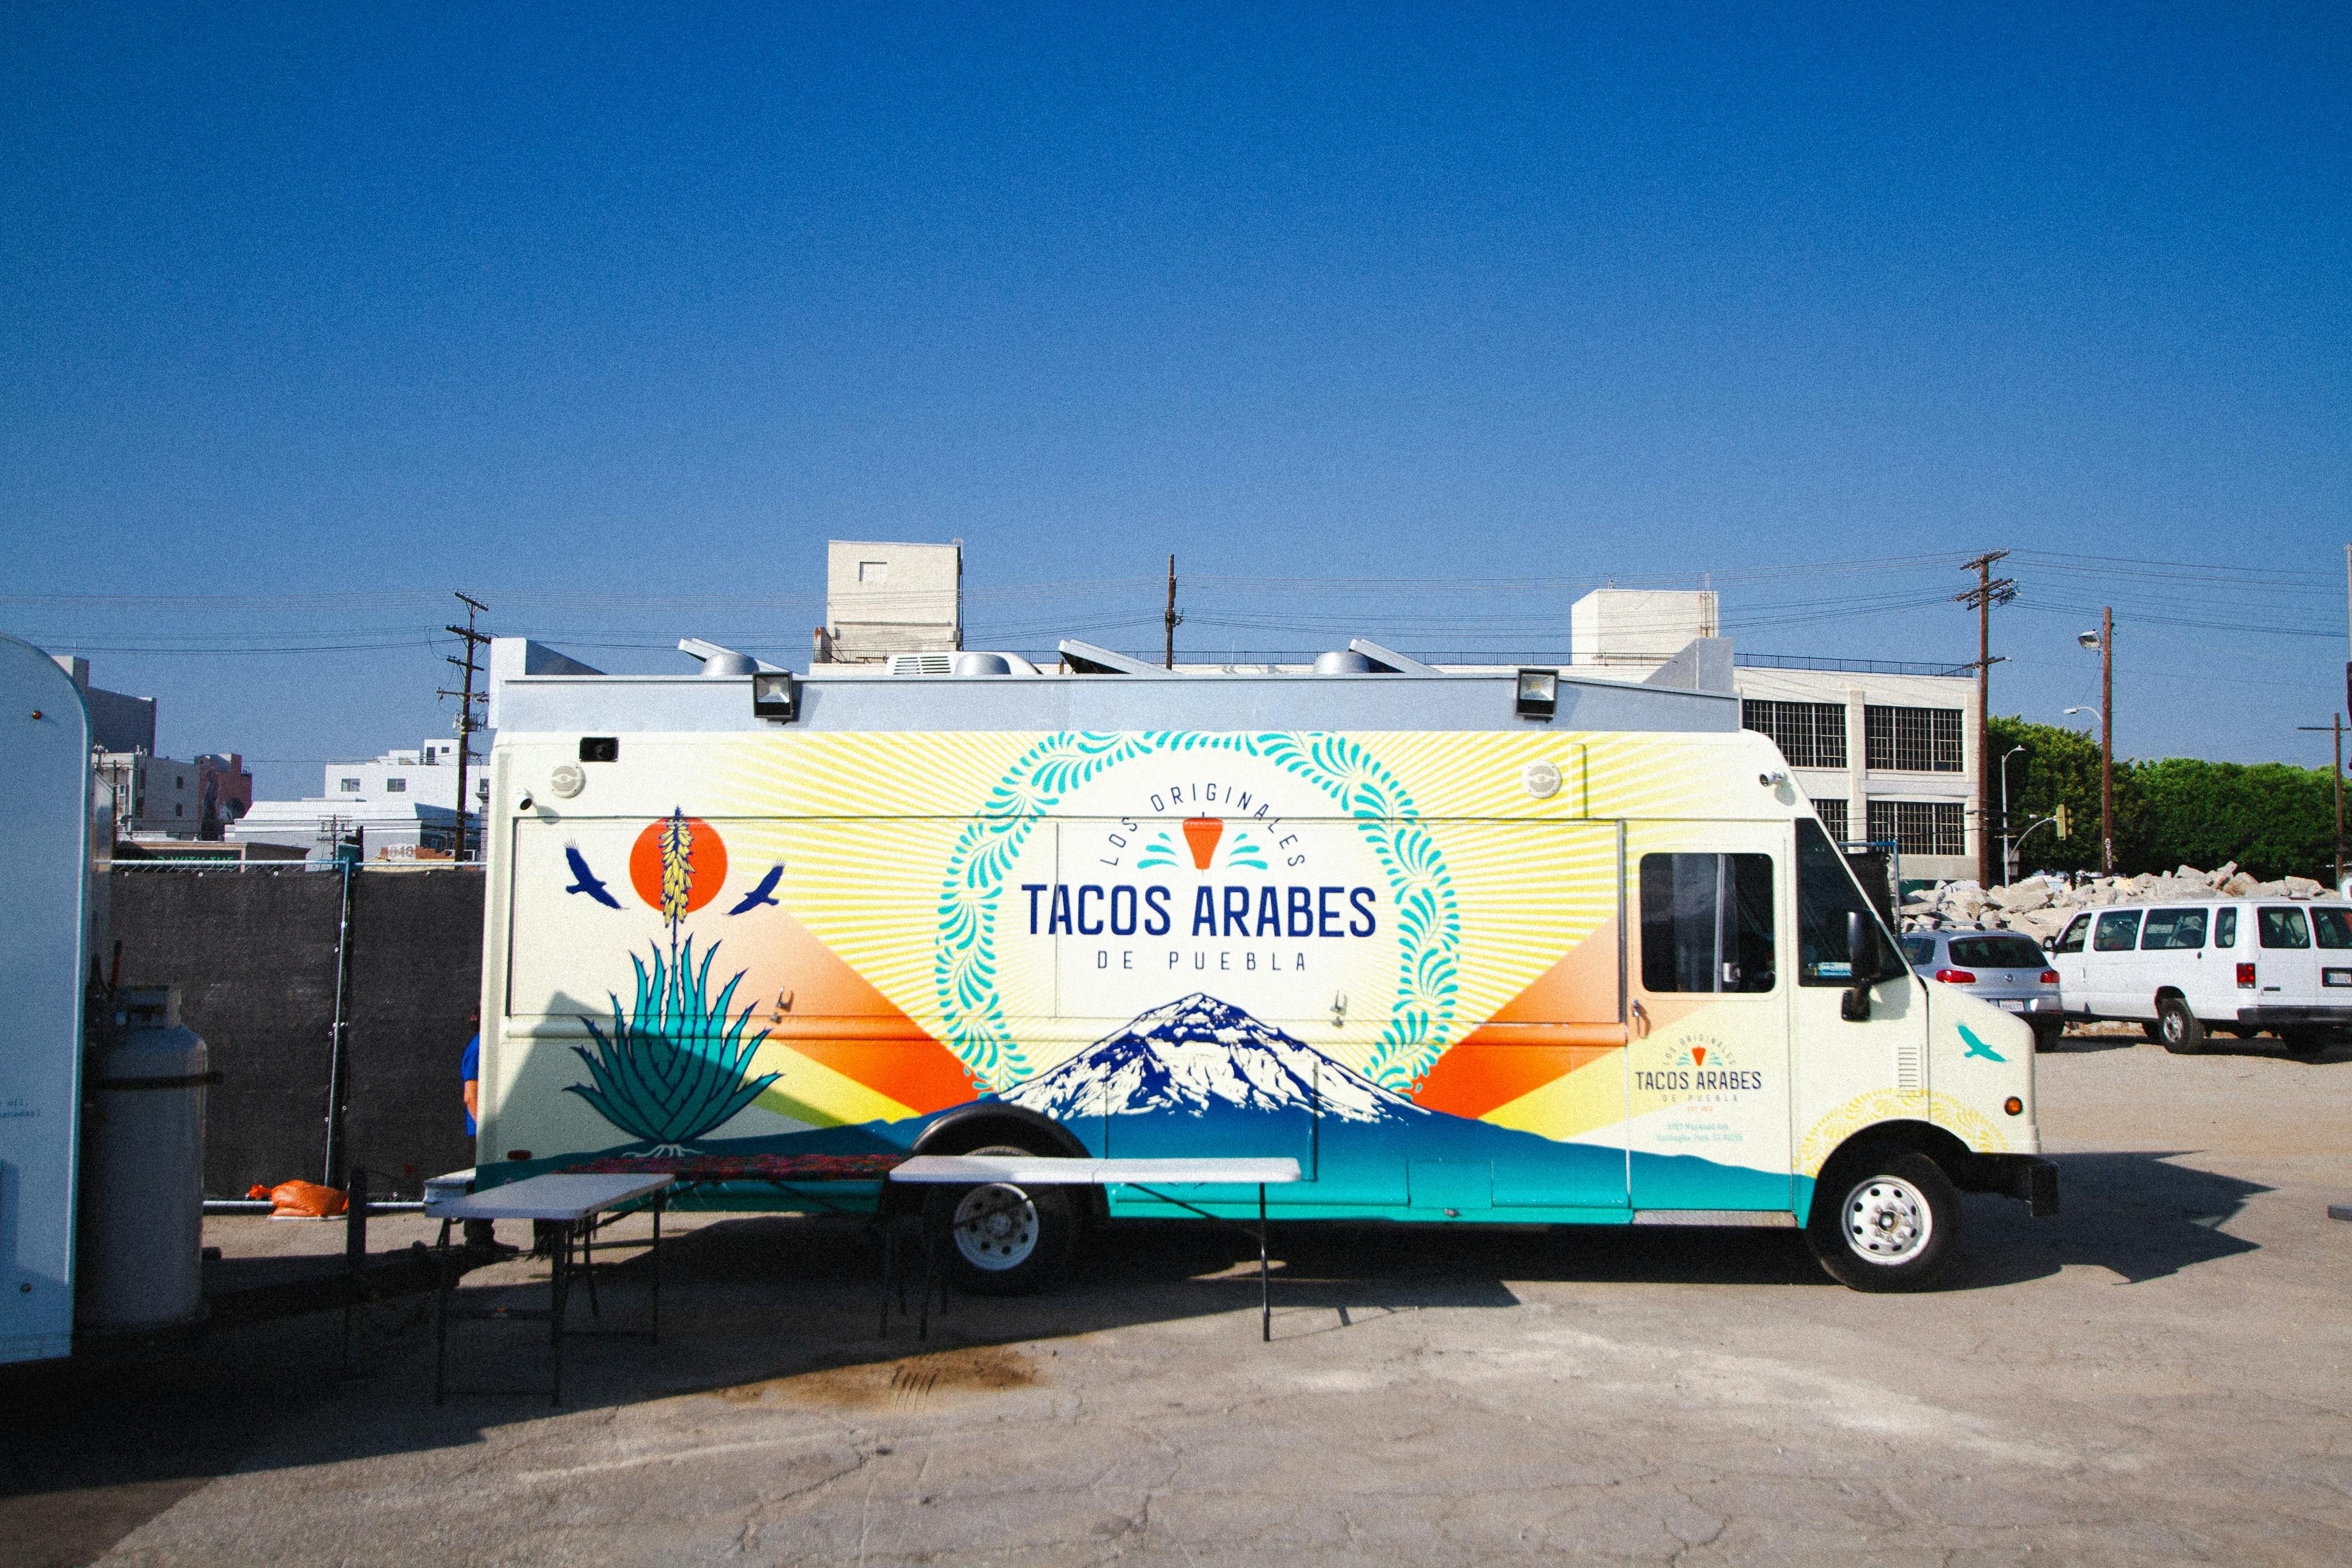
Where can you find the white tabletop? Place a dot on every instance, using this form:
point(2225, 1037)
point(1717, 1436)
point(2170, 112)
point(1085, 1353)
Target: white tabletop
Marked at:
point(555, 1196)
point(1041, 1171)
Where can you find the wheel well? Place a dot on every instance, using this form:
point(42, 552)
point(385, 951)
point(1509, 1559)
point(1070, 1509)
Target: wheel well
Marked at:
point(2174, 992)
point(970, 1127)
point(1966, 1169)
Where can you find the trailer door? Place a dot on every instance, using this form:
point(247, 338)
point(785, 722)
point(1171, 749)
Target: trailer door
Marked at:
point(1708, 1097)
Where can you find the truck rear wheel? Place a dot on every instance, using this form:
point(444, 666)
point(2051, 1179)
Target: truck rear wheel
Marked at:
point(2177, 1028)
point(1885, 1221)
point(2047, 1033)
point(999, 1240)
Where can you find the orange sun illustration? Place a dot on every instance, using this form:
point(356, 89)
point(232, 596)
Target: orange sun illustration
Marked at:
point(706, 862)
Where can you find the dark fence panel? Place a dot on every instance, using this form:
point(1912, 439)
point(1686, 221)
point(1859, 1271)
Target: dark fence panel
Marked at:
point(253, 953)
point(417, 977)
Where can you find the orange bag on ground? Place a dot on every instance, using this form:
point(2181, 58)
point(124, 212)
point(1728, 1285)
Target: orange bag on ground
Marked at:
point(306, 1200)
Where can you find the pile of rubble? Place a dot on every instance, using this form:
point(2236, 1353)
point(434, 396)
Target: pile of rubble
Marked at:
point(2040, 906)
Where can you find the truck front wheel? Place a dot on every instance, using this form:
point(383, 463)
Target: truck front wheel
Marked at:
point(2177, 1028)
point(1885, 1221)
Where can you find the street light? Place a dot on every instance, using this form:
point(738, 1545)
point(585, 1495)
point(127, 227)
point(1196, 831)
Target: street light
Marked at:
point(2008, 854)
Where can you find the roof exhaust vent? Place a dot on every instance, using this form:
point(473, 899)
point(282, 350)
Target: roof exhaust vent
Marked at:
point(723, 661)
point(982, 664)
point(1342, 661)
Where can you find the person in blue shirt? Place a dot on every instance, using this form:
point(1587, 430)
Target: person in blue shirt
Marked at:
point(469, 1067)
point(478, 1232)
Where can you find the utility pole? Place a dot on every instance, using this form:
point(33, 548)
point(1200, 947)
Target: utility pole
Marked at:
point(2339, 728)
point(466, 700)
point(1170, 618)
point(1990, 591)
point(2107, 740)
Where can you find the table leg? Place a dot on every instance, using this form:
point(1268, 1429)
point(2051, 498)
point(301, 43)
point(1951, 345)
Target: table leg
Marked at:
point(441, 1318)
point(1264, 1291)
point(923, 1310)
point(588, 1261)
point(559, 1287)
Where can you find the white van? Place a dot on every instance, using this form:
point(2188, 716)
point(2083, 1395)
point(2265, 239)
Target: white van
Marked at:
point(2238, 966)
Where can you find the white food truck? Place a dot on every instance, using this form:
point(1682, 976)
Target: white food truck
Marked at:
point(1483, 947)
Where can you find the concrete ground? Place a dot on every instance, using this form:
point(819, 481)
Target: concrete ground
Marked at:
point(2161, 1375)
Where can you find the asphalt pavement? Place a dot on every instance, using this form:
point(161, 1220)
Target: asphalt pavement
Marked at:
point(2159, 1375)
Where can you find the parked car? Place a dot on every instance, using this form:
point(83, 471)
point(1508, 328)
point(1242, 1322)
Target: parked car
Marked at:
point(2182, 971)
point(2005, 969)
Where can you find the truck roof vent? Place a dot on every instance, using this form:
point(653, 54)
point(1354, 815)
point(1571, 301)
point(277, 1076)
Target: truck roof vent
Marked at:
point(1342, 661)
point(992, 663)
point(922, 664)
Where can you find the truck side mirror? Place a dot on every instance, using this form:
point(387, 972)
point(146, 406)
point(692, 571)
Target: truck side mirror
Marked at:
point(1861, 960)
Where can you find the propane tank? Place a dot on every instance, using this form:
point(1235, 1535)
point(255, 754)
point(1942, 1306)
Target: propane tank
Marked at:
point(142, 1199)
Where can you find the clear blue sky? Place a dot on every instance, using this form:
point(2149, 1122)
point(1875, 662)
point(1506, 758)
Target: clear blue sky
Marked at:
point(612, 316)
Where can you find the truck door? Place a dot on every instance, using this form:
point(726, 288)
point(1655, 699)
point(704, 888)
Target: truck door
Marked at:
point(1848, 1071)
point(1708, 1097)
point(2111, 967)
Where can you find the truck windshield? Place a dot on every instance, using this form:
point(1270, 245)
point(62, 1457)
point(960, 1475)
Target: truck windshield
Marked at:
point(1826, 893)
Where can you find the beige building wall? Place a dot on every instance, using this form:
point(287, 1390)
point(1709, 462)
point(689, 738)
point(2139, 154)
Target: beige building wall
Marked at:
point(882, 598)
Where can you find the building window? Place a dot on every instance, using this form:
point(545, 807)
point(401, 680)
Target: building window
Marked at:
point(1810, 734)
point(395, 787)
point(351, 786)
point(1919, 826)
point(1912, 739)
point(1832, 814)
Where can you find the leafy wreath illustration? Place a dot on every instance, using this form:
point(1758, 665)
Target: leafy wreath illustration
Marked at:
point(1428, 920)
point(677, 1064)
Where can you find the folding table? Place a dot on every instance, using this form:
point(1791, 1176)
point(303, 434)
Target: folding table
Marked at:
point(573, 1202)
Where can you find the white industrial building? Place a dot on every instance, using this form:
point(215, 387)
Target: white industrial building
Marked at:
point(402, 805)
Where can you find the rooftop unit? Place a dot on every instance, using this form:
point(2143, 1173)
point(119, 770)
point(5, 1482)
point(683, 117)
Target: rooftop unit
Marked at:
point(885, 598)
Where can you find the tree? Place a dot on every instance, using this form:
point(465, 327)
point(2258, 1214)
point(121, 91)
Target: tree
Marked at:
point(2273, 819)
point(2062, 765)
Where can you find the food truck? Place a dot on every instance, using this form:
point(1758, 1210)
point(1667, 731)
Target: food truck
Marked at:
point(1473, 946)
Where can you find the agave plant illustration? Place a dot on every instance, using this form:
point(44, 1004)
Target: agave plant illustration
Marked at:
point(677, 1064)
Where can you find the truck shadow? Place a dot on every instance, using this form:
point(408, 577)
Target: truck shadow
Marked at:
point(2137, 1215)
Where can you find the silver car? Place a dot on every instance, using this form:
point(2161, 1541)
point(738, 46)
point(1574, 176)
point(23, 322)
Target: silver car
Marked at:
point(2009, 971)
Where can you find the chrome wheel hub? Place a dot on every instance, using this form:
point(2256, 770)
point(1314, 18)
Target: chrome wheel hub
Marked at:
point(1887, 1220)
point(995, 1228)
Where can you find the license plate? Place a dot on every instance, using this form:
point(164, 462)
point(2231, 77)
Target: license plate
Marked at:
point(2013, 1005)
point(2335, 977)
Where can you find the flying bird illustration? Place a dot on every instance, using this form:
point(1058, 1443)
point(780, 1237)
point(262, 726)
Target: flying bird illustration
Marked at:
point(1978, 1047)
point(583, 881)
point(762, 894)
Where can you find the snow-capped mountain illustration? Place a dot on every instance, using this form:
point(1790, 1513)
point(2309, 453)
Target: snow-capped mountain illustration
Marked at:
point(1198, 1055)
